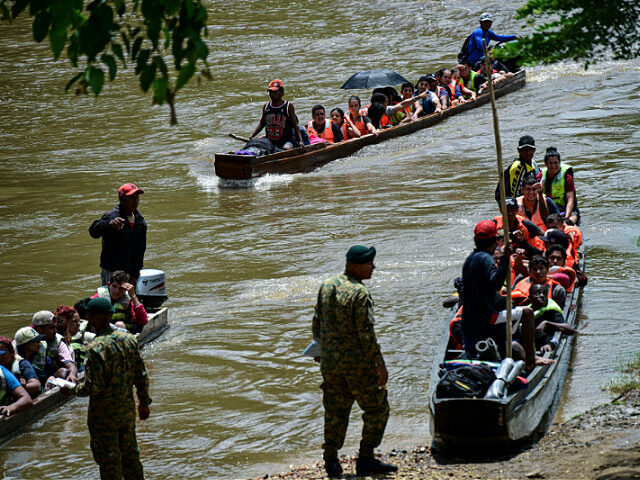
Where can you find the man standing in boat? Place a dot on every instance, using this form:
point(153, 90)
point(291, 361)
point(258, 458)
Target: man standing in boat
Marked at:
point(279, 119)
point(522, 167)
point(113, 366)
point(484, 313)
point(124, 235)
point(351, 363)
point(474, 47)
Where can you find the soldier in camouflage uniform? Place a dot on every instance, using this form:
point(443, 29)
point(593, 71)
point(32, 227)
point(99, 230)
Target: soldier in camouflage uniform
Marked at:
point(113, 366)
point(351, 363)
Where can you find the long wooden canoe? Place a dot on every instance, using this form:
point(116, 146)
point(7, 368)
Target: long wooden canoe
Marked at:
point(43, 404)
point(468, 426)
point(242, 167)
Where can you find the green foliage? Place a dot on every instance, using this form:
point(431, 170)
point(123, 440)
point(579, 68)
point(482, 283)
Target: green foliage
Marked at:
point(629, 380)
point(581, 30)
point(101, 34)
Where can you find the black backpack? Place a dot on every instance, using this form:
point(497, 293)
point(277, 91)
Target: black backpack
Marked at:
point(464, 51)
point(466, 382)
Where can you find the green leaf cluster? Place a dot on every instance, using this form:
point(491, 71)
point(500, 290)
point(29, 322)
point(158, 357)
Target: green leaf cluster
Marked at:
point(581, 30)
point(104, 35)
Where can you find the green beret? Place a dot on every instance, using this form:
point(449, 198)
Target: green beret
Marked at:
point(361, 254)
point(100, 305)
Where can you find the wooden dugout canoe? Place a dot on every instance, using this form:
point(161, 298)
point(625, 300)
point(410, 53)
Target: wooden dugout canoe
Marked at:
point(465, 426)
point(229, 166)
point(43, 404)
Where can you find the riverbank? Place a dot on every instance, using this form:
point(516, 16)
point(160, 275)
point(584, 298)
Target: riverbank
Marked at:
point(602, 444)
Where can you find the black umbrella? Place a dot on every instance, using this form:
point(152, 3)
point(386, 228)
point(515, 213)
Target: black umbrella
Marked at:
point(373, 79)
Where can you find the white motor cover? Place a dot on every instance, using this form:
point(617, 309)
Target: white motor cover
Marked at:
point(152, 283)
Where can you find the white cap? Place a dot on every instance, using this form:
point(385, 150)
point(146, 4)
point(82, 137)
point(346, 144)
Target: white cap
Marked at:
point(43, 317)
point(486, 16)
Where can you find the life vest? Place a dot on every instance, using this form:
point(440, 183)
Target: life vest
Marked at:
point(469, 84)
point(575, 234)
point(52, 351)
point(343, 129)
point(568, 271)
point(327, 133)
point(121, 305)
point(454, 342)
point(451, 90)
point(556, 189)
point(359, 123)
point(536, 242)
point(550, 306)
point(15, 366)
point(80, 341)
point(5, 398)
point(516, 174)
point(521, 290)
point(535, 215)
point(39, 359)
point(384, 121)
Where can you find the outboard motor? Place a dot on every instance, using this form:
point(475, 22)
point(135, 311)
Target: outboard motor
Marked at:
point(152, 289)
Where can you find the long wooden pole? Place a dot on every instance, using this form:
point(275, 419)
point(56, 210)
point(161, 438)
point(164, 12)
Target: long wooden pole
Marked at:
point(503, 205)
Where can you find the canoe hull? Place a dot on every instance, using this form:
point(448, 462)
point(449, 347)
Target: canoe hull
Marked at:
point(301, 160)
point(9, 426)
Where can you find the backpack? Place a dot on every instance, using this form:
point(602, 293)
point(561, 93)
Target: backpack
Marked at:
point(464, 51)
point(466, 382)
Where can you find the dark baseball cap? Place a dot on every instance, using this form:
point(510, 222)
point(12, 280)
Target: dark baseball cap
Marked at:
point(526, 141)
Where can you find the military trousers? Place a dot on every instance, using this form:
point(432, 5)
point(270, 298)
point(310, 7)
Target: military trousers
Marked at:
point(340, 389)
point(115, 448)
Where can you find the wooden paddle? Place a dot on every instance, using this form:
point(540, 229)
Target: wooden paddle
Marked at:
point(503, 205)
point(238, 137)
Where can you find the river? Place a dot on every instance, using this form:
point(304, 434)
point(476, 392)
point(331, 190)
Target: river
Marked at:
point(232, 397)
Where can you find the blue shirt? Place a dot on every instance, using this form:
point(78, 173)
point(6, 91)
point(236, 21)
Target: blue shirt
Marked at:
point(10, 379)
point(475, 42)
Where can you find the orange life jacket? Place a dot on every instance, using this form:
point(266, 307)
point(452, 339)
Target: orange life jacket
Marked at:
point(327, 133)
point(535, 215)
point(575, 233)
point(384, 121)
point(359, 123)
point(568, 271)
point(455, 342)
point(521, 290)
point(343, 129)
point(536, 242)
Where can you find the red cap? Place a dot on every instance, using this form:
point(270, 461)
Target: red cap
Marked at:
point(485, 229)
point(276, 84)
point(128, 189)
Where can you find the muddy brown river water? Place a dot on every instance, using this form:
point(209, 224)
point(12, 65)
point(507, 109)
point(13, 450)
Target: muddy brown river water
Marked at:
point(232, 397)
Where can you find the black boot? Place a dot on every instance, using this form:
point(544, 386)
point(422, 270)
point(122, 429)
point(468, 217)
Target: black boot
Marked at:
point(368, 466)
point(333, 467)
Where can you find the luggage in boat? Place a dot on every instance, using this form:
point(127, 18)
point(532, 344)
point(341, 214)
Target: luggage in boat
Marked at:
point(466, 382)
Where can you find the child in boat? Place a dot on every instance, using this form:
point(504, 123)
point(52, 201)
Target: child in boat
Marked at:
point(428, 103)
point(279, 119)
point(362, 122)
point(344, 123)
point(548, 318)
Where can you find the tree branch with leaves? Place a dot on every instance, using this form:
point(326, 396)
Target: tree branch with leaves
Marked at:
point(104, 34)
point(581, 30)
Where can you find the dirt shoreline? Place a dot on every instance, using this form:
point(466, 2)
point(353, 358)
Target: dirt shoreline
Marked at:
point(601, 444)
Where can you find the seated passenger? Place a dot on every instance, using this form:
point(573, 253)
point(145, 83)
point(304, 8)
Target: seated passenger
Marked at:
point(559, 222)
point(548, 317)
point(439, 91)
point(455, 82)
point(538, 273)
point(497, 77)
point(454, 96)
point(524, 233)
point(362, 122)
point(376, 115)
point(13, 397)
point(399, 113)
point(322, 128)
point(344, 123)
point(130, 312)
point(32, 348)
point(279, 119)
point(380, 96)
point(21, 368)
point(564, 275)
point(426, 102)
point(557, 183)
point(76, 329)
point(407, 91)
point(470, 80)
point(61, 355)
point(533, 204)
point(556, 237)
